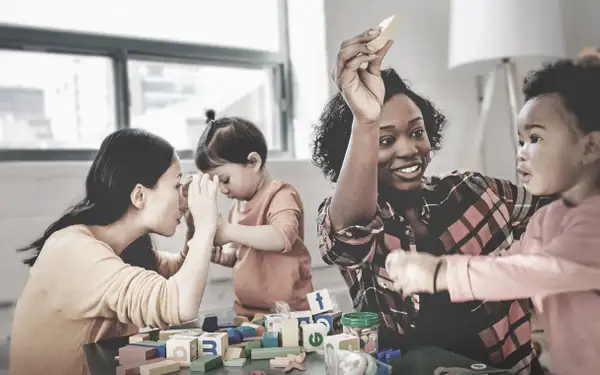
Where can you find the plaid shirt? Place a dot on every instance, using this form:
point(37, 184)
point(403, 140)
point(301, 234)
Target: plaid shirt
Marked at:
point(465, 213)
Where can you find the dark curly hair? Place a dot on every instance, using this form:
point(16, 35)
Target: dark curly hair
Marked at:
point(578, 84)
point(332, 132)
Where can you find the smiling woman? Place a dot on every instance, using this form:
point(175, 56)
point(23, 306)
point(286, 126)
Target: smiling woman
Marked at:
point(374, 139)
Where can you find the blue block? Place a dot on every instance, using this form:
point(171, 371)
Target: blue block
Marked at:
point(247, 331)
point(234, 336)
point(270, 340)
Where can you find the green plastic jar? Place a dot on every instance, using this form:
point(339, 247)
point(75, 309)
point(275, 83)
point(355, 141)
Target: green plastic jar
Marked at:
point(365, 326)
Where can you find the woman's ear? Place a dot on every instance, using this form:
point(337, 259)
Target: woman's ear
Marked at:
point(138, 196)
point(255, 161)
point(591, 153)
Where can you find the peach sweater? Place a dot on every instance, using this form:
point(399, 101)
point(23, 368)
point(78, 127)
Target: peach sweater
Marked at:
point(79, 291)
point(263, 277)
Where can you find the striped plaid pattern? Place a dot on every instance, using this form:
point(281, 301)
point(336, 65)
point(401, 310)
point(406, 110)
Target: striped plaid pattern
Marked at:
point(465, 213)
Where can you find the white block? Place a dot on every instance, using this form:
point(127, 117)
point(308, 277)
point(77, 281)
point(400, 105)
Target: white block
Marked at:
point(271, 319)
point(290, 333)
point(182, 349)
point(313, 336)
point(319, 301)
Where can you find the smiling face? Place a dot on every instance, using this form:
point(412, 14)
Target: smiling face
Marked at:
point(404, 147)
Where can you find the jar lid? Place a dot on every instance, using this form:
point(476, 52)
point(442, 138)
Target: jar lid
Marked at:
point(360, 319)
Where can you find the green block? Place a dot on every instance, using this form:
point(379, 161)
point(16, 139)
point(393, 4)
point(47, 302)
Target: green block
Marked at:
point(238, 362)
point(270, 353)
point(206, 362)
point(251, 345)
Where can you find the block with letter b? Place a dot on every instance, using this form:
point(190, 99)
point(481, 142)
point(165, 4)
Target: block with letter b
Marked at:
point(214, 343)
point(319, 301)
point(313, 336)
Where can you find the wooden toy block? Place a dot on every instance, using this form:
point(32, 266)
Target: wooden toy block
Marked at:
point(270, 340)
point(214, 343)
point(239, 320)
point(134, 368)
point(342, 341)
point(271, 319)
point(233, 353)
point(135, 354)
point(303, 317)
point(234, 336)
point(160, 346)
point(270, 353)
point(319, 301)
point(388, 27)
point(332, 320)
point(251, 345)
point(259, 319)
point(237, 362)
point(210, 323)
point(313, 336)
point(290, 333)
point(138, 337)
point(248, 330)
point(160, 368)
point(206, 363)
point(166, 334)
point(182, 349)
point(260, 329)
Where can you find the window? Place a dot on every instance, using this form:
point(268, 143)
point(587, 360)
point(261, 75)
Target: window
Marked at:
point(171, 99)
point(55, 100)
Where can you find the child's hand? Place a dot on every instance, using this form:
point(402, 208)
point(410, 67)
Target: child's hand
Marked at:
point(223, 256)
point(189, 219)
point(412, 272)
point(221, 234)
point(202, 201)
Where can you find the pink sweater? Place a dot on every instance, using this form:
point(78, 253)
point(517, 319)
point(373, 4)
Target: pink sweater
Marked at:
point(557, 264)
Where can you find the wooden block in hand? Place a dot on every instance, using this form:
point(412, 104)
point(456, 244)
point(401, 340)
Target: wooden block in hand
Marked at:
point(135, 354)
point(319, 301)
point(332, 320)
point(134, 367)
point(214, 343)
point(160, 368)
point(388, 28)
point(182, 349)
point(138, 337)
point(313, 336)
point(270, 340)
point(290, 333)
point(206, 363)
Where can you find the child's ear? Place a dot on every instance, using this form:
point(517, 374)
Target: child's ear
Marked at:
point(138, 196)
point(591, 153)
point(255, 161)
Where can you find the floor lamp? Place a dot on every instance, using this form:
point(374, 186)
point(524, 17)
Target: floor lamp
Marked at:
point(488, 38)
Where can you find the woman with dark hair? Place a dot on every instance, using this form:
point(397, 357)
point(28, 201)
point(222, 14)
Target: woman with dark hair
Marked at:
point(95, 274)
point(375, 139)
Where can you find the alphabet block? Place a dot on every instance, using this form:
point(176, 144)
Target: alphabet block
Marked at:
point(332, 320)
point(271, 319)
point(270, 340)
point(214, 343)
point(313, 336)
point(319, 301)
point(182, 349)
point(303, 317)
point(290, 333)
point(343, 341)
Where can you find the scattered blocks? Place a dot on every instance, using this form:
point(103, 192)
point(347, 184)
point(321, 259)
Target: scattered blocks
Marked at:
point(182, 349)
point(160, 368)
point(214, 343)
point(206, 363)
point(319, 301)
point(332, 320)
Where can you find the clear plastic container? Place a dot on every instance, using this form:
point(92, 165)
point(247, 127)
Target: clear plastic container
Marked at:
point(365, 326)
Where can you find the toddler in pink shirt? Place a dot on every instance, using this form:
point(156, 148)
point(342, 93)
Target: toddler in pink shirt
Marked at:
point(557, 262)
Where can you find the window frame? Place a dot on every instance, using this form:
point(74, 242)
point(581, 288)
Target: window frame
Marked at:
point(121, 49)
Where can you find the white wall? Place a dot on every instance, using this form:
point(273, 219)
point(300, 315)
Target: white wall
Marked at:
point(35, 193)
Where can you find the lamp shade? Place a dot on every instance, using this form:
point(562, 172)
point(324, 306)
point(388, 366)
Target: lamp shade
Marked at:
point(483, 32)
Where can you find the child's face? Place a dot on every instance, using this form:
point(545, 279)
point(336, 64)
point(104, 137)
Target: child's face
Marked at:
point(238, 181)
point(551, 146)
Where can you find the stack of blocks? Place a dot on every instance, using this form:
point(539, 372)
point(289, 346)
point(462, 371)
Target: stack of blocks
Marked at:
point(228, 340)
